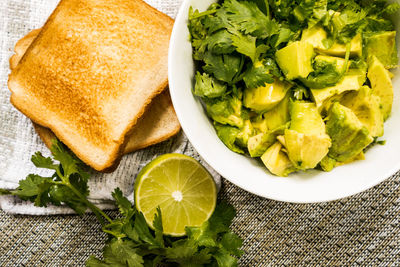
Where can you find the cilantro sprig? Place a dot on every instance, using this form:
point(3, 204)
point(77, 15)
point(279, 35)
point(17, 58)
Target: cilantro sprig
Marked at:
point(132, 242)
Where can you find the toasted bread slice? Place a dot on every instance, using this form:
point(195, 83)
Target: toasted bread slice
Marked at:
point(91, 73)
point(157, 124)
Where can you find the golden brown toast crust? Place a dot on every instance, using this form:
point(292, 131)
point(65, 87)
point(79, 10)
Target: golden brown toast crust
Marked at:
point(157, 124)
point(90, 62)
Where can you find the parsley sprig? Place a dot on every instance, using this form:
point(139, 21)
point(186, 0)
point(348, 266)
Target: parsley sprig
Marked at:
point(132, 242)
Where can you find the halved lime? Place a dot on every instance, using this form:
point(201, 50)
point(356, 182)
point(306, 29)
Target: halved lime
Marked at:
point(183, 189)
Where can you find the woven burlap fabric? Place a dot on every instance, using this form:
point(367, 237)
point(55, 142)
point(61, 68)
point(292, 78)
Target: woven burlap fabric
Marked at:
point(363, 230)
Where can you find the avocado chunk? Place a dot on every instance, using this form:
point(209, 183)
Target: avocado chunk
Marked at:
point(306, 119)
point(306, 141)
point(275, 118)
point(349, 136)
point(276, 161)
point(295, 59)
point(383, 47)
point(225, 110)
point(266, 97)
point(245, 133)
point(381, 84)
point(317, 37)
point(366, 106)
point(327, 164)
point(259, 143)
point(228, 134)
point(351, 81)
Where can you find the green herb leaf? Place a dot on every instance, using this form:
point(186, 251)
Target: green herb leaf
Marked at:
point(118, 252)
point(248, 18)
point(42, 162)
point(124, 205)
point(207, 86)
point(158, 228)
point(223, 67)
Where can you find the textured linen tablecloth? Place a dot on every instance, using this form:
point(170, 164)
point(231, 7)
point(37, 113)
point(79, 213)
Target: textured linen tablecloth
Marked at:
point(360, 230)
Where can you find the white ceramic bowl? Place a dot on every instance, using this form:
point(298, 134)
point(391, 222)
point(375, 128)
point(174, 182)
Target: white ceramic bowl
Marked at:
point(312, 186)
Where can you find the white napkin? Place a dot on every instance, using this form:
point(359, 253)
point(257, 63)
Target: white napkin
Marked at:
point(18, 140)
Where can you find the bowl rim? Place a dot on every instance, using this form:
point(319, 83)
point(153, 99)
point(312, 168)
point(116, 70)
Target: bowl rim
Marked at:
point(242, 182)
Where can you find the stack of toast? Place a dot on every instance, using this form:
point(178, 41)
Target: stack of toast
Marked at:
point(95, 77)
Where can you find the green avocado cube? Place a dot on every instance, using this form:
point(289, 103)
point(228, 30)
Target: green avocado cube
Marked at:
point(382, 46)
point(327, 164)
point(306, 141)
point(367, 107)
point(295, 59)
point(381, 84)
point(259, 143)
point(245, 134)
point(264, 98)
point(349, 136)
point(351, 81)
point(276, 161)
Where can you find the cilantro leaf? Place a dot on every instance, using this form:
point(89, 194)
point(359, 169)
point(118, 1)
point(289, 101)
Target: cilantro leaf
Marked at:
point(118, 252)
point(231, 242)
point(245, 44)
point(158, 228)
point(124, 205)
point(248, 18)
point(68, 161)
point(324, 75)
point(224, 259)
point(144, 233)
point(223, 67)
point(42, 162)
point(220, 42)
point(207, 86)
point(260, 73)
point(36, 189)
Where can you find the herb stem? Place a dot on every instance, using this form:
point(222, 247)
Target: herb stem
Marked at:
point(202, 14)
point(267, 8)
point(98, 212)
point(347, 57)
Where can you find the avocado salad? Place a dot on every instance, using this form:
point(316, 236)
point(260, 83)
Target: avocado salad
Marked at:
point(299, 84)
